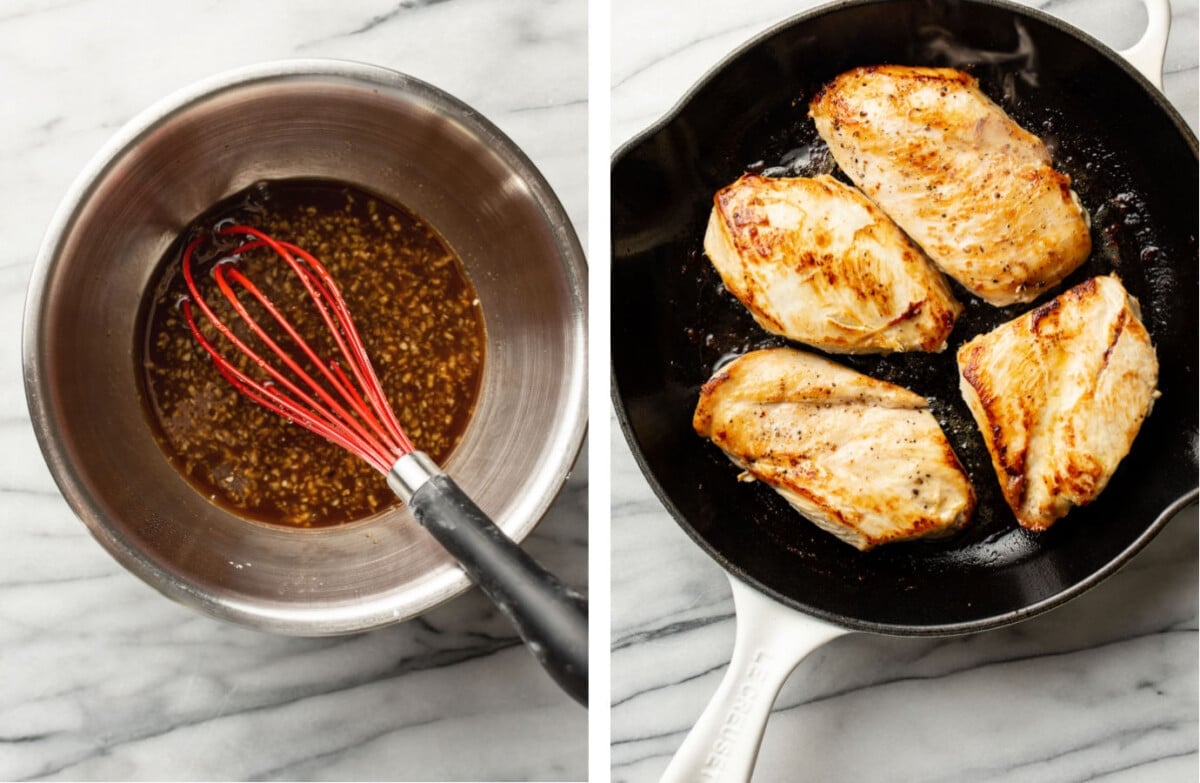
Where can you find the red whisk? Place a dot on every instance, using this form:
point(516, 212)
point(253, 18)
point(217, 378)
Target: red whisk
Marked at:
point(361, 423)
point(341, 400)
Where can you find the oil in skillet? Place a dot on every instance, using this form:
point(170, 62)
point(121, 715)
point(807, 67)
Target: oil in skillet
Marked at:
point(413, 304)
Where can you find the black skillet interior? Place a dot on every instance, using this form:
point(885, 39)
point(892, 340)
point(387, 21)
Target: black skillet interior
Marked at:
point(1134, 165)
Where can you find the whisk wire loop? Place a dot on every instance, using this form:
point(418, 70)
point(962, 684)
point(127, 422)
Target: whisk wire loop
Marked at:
point(336, 412)
point(323, 288)
point(358, 417)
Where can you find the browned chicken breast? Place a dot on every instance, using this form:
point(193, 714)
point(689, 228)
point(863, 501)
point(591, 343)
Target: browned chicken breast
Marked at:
point(815, 261)
point(863, 459)
point(1059, 395)
point(971, 187)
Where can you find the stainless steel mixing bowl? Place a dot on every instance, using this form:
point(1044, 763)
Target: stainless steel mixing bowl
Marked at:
point(370, 127)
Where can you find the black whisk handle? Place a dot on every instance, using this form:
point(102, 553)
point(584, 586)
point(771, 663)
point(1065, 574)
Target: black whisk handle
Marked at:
point(549, 616)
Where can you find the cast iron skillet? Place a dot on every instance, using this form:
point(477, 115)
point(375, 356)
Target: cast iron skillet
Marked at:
point(1133, 162)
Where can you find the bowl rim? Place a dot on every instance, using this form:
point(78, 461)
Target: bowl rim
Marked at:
point(291, 619)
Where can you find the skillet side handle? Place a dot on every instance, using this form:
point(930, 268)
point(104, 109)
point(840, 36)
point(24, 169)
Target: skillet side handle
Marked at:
point(1148, 53)
point(771, 640)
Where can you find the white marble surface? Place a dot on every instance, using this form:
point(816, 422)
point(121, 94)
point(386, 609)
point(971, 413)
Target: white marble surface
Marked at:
point(1104, 688)
point(100, 676)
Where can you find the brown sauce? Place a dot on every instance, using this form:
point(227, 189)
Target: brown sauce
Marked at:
point(412, 303)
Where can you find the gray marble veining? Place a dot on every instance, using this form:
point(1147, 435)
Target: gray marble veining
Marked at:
point(100, 676)
point(1103, 688)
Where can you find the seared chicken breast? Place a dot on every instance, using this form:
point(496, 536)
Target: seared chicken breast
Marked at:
point(976, 191)
point(1059, 395)
point(862, 459)
point(817, 262)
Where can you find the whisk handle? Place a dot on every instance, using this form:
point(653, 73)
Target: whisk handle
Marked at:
point(550, 617)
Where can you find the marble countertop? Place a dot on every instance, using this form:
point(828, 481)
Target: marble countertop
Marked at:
point(100, 676)
point(1104, 687)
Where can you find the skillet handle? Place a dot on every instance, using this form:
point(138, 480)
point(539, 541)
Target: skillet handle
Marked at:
point(771, 640)
point(1147, 54)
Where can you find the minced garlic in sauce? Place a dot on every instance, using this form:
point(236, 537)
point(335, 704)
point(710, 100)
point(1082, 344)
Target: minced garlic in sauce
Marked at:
point(413, 305)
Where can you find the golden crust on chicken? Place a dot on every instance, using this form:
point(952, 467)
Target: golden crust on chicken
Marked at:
point(815, 261)
point(863, 459)
point(976, 191)
point(1059, 395)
